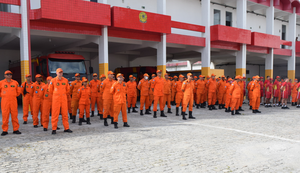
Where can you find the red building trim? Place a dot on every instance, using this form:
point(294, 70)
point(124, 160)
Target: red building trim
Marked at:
point(255, 49)
point(11, 2)
point(284, 52)
point(230, 34)
point(225, 45)
point(187, 26)
point(286, 43)
point(265, 40)
point(186, 40)
point(10, 19)
point(133, 34)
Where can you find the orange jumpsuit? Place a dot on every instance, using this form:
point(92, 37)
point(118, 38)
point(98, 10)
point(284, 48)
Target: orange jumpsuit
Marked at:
point(212, 89)
point(47, 104)
point(242, 85)
point(195, 90)
point(108, 104)
point(27, 99)
point(250, 93)
point(100, 101)
point(131, 93)
point(60, 90)
point(179, 93)
point(294, 92)
point(200, 91)
point(167, 92)
point(37, 100)
point(188, 94)
point(94, 85)
point(158, 86)
point(144, 86)
point(255, 88)
point(9, 93)
point(84, 95)
point(173, 91)
point(151, 96)
point(235, 92)
point(228, 95)
point(119, 90)
point(221, 92)
point(69, 103)
point(74, 87)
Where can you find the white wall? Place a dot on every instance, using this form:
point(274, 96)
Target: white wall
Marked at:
point(35, 4)
point(223, 14)
point(144, 61)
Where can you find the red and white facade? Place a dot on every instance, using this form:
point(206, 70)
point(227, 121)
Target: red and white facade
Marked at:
point(114, 33)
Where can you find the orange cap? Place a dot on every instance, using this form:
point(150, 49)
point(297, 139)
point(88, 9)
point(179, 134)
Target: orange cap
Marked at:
point(133, 77)
point(49, 78)
point(129, 76)
point(175, 77)
point(110, 72)
point(189, 74)
point(158, 71)
point(207, 77)
point(229, 79)
point(102, 76)
point(77, 75)
point(153, 75)
point(181, 76)
point(195, 77)
point(28, 75)
point(146, 74)
point(119, 74)
point(256, 77)
point(38, 75)
point(84, 79)
point(8, 72)
point(223, 76)
point(95, 74)
point(166, 74)
point(277, 77)
point(213, 75)
point(59, 70)
point(296, 79)
point(200, 76)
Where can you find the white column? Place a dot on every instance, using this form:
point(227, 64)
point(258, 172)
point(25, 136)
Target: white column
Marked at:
point(162, 45)
point(25, 48)
point(241, 23)
point(206, 54)
point(292, 37)
point(103, 49)
point(270, 30)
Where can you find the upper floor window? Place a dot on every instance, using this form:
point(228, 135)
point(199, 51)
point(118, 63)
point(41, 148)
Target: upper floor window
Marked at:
point(217, 17)
point(94, 0)
point(228, 18)
point(4, 7)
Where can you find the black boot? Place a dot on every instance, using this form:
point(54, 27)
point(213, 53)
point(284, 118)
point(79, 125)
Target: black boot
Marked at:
point(141, 113)
point(128, 110)
point(83, 120)
point(183, 115)
point(112, 120)
point(177, 111)
point(220, 106)
point(149, 108)
point(169, 110)
point(70, 116)
point(126, 124)
point(237, 112)
point(228, 109)
point(105, 122)
point(162, 114)
point(116, 125)
point(133, 110)
point(213, 107)
point(257, 111)
point(225, 109)
point(210, 107)
point(240, 109)
point(17, 132)
point(154, 116)
point(80, 121)
point(183, 112)
point(254, 111)
point(101, 116)
point(98, 114)
point(88, 121)
point(198, 106)
point(74, 119)
point(53, 132)
point(203, 105)
point(232, 112)
point(147, 112)
point(25, 122)
point(191, 115)
point(250, 107)
point(92, 114)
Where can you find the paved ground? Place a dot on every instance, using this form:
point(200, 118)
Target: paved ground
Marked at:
point(214, 142)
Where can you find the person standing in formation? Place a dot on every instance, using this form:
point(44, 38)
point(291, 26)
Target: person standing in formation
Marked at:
point(158, 89)
point(144, 87)
point(131, 95)
point(211, 86)
point(285, 93)
point(188, 96)
point(255, 88)
point(200, 90)
point(47, 104)
point(108, 104)
point(294, 92)
point(27, 98)
point(173, 90)
point(37, 100)
point(235, 92)
point(228, 96)
point(84, 96)
point(94, 86)
point(167, 92)
point(74, 86)
point(100, 96)
point(179, 94)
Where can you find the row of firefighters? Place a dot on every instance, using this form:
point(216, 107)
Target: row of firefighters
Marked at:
point(113, 95)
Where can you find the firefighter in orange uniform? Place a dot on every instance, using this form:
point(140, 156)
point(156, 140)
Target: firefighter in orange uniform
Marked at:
point(195, 89)
point(221, 92)
point(131, 94)
point(250, 93)
point(119, 90)
point(9, 90)
point(74, 86)
point(100, 98)
point(179, 94)
point(167, 92)
point(241, 83)
point(276, 89)
point(108, 104)
point(235, 92)
point(285, 93)
point(36, 94)
point(212, 89)
point(268, 91)
point(27, 99)
point(144, 87)
point(69, 105)
point(84, 96)
point(188, 96)
point(255, 88)
point(200, 90)
point(228, 95)
point(47, 104)
point(158, 89)
point(59, 88)
point(173, 90)
point(151, 96)
point(94, 86)
point(294, 92)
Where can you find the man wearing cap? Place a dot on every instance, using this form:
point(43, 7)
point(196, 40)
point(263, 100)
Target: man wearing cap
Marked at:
point(241, 83)
point(9, 90)
point(27, 99)
point(195, 89)
point(37, 95)
point(255, 88)
point(228, 96)
point(151, 96)
point(250, 93)
point(235, 92)
point(131, 94)
point(276, 89)
point(268, 91)
point(59, 88)
point(188, 96)
point(74, 86)
point(200, 90)
point(298, 95)
point(144, 86)
point(94, 85)
point(100, 98)
point(108, 104)
point(167, 92)
point(84, 96)
point(284, 89)
point(179, 94)
point(221, 92)
point(173, 90)
point(212, 89)
point(294, 92)
point(47, 103)
point(158, 89)
point(119, 90)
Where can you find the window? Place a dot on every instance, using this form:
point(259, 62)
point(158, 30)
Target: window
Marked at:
point(217, 17)
point(94, 0)
point(69, 67)
point(283, 35)
point(228, 18)
point(4, 7)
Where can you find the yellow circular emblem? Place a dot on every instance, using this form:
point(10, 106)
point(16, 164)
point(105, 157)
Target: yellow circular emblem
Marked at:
point(143, 17)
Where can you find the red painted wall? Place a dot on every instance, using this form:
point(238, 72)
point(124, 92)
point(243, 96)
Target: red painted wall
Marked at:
point(265, 40)
point(186, 40)
point(230, 34)
point(12, 2)
point(10, 19)
point(187, 26)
